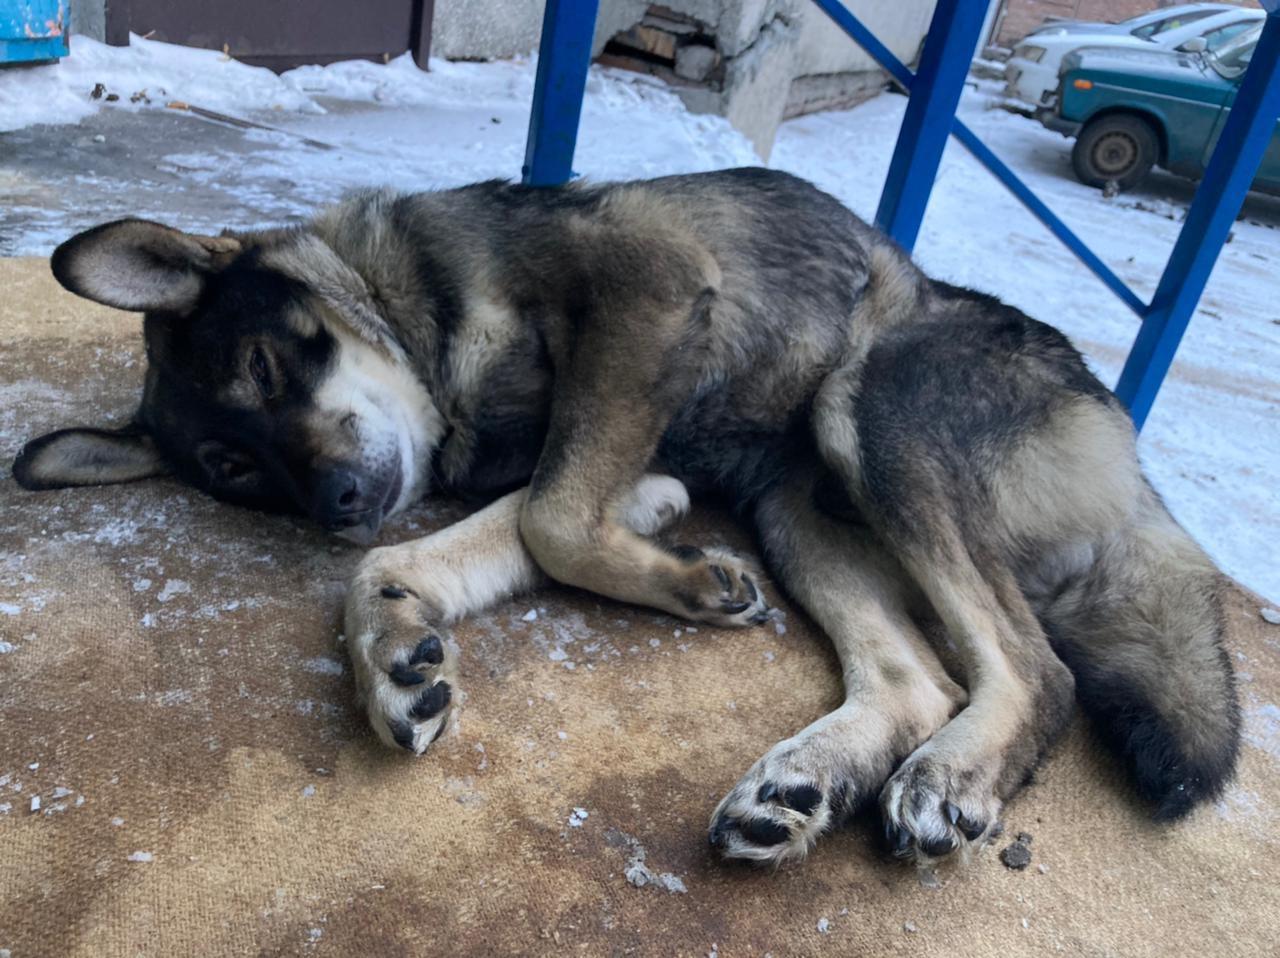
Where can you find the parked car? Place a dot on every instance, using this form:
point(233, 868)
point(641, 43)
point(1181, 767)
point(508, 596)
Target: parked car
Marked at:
point(1129, 111)
point(1031, 73)
point(1144, 24)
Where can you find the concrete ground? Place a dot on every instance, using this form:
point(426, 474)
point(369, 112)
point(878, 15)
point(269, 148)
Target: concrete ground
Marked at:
point(183, 772)
point(57, 180)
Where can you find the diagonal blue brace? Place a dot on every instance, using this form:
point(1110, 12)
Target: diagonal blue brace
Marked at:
point(935, 93)
point(1231, 170)
point(564, 55)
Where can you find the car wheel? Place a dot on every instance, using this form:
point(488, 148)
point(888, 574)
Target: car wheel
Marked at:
point(1119, 148)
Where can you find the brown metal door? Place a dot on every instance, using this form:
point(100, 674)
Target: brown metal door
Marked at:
point(281, 34)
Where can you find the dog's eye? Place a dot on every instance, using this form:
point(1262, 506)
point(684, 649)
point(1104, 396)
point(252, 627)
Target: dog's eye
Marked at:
point(260, 370)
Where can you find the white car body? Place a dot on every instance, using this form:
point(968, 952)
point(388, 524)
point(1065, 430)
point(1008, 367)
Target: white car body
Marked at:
point(1031, 74)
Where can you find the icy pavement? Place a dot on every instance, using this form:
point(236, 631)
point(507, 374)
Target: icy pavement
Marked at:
point(1212, 445)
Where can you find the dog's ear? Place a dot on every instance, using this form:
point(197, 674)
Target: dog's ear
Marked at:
point(87, 457)
point(139, 265)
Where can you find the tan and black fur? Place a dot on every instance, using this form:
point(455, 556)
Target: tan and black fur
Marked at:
point(935, 477)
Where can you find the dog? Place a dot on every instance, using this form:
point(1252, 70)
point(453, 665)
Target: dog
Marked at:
point(933, 476)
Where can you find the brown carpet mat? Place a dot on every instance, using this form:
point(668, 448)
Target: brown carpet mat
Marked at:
point(174, 694)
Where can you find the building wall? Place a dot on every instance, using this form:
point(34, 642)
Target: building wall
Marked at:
point(1023, 16)
point(780, 57)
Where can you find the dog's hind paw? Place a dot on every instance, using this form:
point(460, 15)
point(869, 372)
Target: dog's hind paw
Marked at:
point(405, 668)
point(801, 788)
point(718, 587)
point(930, 811)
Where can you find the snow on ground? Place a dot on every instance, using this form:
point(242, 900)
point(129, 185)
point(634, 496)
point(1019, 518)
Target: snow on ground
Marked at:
point(1211, 446)
point(155, 72)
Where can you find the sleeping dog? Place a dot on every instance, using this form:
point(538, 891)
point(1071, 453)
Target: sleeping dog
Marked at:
point(582, 358)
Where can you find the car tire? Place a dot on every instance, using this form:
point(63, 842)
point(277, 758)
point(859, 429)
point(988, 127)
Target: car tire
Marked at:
point(1119, 148)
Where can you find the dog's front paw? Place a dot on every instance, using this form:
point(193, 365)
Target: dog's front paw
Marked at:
point(719, 587)
point(932, 808)
point(405, 666)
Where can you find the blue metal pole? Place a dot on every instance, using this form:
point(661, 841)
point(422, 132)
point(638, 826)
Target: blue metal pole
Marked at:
point(935, 92)
point(564, 54)
point(1231, 169)
point(1046, 216)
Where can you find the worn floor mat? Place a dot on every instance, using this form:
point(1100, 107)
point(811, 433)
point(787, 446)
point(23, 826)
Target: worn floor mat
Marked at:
point(182, 771)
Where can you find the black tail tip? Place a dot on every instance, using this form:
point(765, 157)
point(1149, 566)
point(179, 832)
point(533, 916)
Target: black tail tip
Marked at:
point(1167, 777)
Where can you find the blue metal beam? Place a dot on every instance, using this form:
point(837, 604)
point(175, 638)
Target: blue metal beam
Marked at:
point(860, 34)
point(944, 64)
point(1227, 178)
point(564, 55)
point(1046, 216)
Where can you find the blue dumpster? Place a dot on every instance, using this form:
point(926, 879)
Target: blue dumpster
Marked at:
point(33, 30)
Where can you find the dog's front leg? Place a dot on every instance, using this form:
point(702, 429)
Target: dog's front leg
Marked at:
point(404, 597)
point(623, 384)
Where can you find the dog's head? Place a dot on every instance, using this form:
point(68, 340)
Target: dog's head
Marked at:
point(273, 380)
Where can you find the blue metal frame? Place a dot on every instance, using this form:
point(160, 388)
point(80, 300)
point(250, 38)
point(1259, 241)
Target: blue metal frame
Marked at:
point(1245, 136)
point(563, 58)
point(931, 109)
point(930, 119)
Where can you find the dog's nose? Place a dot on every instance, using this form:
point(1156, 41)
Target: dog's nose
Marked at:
point(341, 500)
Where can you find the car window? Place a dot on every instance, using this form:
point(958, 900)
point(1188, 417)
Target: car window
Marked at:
point(1232, 57)
point(1216, 38)
point(1171, 23)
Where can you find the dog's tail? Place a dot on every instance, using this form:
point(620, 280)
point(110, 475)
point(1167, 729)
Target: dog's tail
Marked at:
point(1142, 631)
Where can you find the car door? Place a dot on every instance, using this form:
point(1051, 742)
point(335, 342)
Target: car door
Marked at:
point(1269, 170)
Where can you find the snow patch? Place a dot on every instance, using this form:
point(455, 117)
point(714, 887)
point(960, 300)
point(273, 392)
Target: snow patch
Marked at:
point(62, 92)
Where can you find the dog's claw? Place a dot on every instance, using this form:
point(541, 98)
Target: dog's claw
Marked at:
point(725, 582)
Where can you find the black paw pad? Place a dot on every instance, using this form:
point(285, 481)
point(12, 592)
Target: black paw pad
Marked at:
point(799, 798)
point(403, 675)
point(733, 608)
point(802, 798)
point(752, 594)
point(898, 840)
point(430, 650)
point(937, 847)
point(762, 831)
point(402, 732)
point(432, 702)
point(688, 553)
point(968, 827)
point(394, 592)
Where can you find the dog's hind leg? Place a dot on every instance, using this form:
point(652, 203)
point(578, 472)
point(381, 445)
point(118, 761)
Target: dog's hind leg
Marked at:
point(897, 693)
point(949, 791)
point(403, 598)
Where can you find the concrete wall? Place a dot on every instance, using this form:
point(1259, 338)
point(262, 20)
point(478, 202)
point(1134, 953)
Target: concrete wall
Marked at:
point(781, 57)
point(89, 18)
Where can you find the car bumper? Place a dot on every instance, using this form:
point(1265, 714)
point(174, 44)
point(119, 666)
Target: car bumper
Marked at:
point(1057, 123)
point(1030, 82)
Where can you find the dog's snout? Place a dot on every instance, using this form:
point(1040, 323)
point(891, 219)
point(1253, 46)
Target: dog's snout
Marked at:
point(342, 500)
